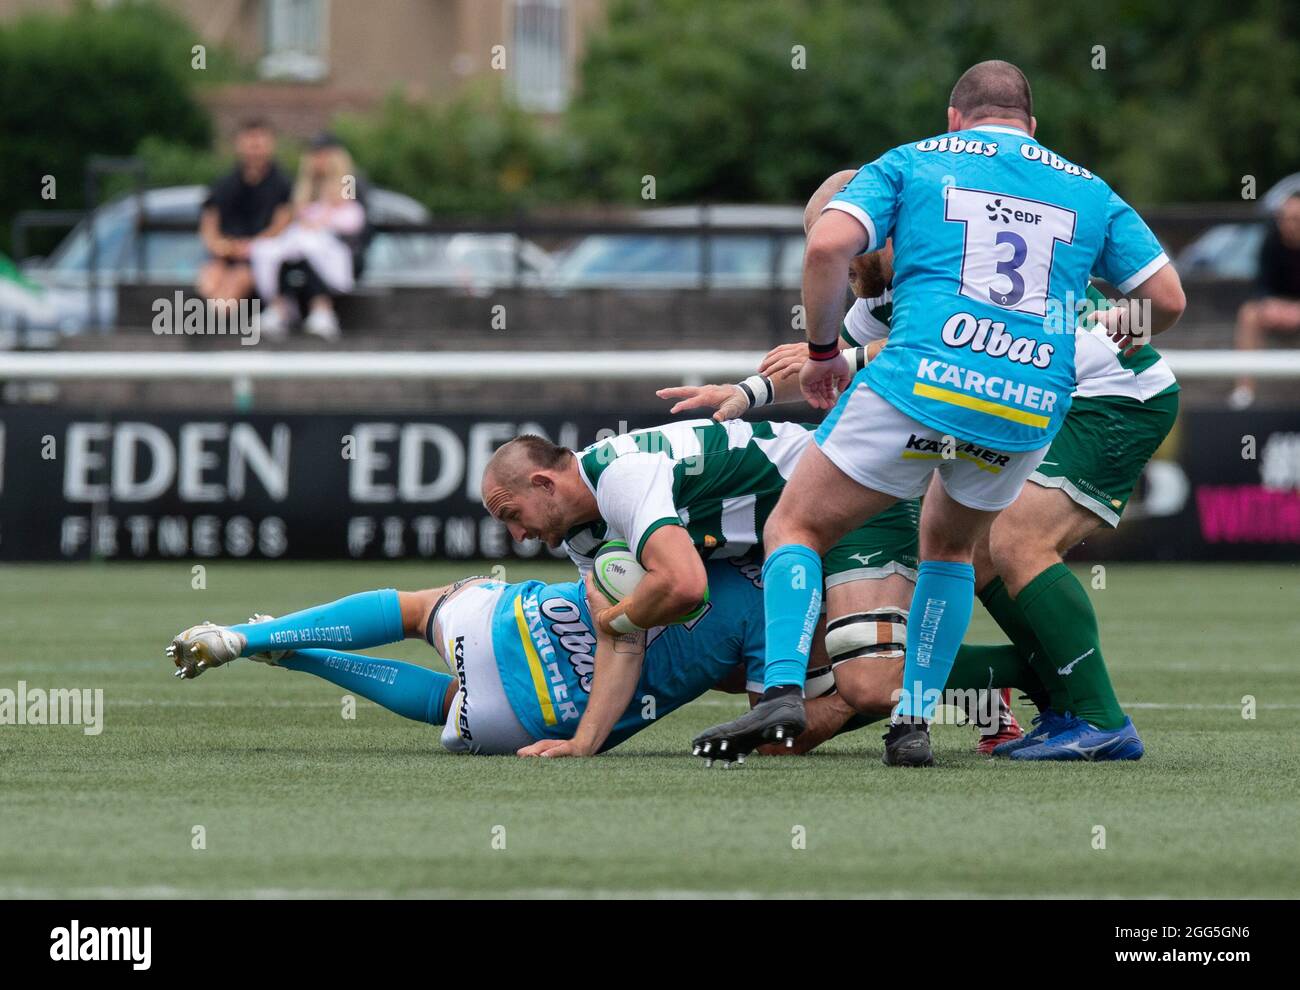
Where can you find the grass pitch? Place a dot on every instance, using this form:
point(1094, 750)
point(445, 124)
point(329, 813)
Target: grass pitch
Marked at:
point(295, 800)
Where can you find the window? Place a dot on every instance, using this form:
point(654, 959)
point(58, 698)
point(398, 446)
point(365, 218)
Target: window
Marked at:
point(541, 48)
point(295, 33)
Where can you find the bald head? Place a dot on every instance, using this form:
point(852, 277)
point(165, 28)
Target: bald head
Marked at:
point(533, 486)
point(993, 89)
point(516, 459)
point(824, 194)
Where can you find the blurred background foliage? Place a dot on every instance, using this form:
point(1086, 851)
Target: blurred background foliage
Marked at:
point(1193, 95)
point(475, 155)
point(96, 81)
point(705, 97)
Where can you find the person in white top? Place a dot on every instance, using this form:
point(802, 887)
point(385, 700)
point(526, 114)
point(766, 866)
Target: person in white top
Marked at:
point(326, 213)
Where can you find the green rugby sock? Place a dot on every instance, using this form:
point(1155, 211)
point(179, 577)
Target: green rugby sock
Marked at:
point(1012, 621)
point(1061, 615)
point(981, 667)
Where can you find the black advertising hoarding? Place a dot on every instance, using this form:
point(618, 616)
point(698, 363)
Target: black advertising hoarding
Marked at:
point(261, 486)
point(299, 486)
point(1225, 486)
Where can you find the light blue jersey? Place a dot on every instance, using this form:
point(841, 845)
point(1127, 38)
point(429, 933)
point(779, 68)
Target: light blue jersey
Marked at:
point(994, 239)
point(545, 647)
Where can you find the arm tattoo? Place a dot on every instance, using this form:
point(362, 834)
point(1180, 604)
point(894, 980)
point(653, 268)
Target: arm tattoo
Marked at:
point(627, 642)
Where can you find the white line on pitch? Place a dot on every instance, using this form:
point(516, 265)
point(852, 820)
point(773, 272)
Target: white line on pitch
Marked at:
point(704, 702)
point(163, 891)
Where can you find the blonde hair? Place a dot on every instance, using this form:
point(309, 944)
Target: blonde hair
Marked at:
point(309, 188)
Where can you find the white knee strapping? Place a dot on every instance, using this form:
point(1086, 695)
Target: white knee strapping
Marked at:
point(877, 634)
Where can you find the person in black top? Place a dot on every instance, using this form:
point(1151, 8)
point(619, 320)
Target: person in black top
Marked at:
point(317, 256)
point(251, 202)
point(1275, 310)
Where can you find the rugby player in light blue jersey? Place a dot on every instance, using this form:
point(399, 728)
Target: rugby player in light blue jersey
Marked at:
point(523, 655)
point(994, 236)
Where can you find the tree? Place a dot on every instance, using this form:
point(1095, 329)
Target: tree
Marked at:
point(97, 81)
point(475, 154)
point(1165, 101)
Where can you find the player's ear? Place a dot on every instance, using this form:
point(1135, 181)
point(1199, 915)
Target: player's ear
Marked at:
point(542, 480)
point(954, 119)
point(1033, 125)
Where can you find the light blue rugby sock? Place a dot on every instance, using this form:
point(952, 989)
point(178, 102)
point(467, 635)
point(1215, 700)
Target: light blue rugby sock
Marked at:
point(408, 689)
point(941, 609)
point(372, 618)
point(792, 601)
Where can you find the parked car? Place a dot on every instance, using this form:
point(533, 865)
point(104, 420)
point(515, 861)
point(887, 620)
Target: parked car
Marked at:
point(1231, 250)
point(474, 262)
point(653, 260)
point(1226, 250)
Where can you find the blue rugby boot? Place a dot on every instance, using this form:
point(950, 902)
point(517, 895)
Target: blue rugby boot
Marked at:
point(1047, 723)
point(1086, 742)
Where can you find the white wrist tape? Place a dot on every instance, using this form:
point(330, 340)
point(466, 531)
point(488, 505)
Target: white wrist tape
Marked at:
point(621, 623)
point(758, 389)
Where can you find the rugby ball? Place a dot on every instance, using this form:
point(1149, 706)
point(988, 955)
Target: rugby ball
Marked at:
point(617, 572)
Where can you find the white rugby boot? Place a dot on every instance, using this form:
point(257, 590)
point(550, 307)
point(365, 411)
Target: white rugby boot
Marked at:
point(210, 645)
point(206, 645)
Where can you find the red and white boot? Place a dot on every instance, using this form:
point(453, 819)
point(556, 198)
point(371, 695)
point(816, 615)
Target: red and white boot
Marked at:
point(1002, 727)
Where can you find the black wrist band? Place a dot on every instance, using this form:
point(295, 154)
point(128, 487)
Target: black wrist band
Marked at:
point(823, 352)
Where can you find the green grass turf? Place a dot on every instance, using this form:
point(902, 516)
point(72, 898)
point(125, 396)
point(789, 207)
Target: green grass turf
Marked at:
point(296, 800)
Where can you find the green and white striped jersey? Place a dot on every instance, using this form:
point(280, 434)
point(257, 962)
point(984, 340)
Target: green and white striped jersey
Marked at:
point(868, 319)
point(718, 480)
point(1099, 368)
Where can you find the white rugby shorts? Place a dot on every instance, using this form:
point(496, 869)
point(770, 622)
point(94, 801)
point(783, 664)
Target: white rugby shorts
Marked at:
point(882, 448)
point(481, 719)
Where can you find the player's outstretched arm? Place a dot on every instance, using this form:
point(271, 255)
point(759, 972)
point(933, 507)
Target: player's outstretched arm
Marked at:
point(777, 381)
point(728, 400)
point(615, 672)
point(783, 362)
point(732, 401)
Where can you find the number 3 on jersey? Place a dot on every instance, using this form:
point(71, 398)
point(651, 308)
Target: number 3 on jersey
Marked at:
point(1007, 253)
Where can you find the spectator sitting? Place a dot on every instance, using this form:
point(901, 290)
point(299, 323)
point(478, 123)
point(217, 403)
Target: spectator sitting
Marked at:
point(327, 220)
point(248, 205)
point(1276, 307)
